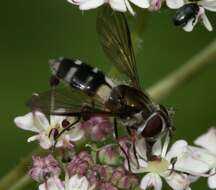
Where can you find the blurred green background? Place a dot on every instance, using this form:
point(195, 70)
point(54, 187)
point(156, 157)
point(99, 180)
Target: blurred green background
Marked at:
point(32, 32)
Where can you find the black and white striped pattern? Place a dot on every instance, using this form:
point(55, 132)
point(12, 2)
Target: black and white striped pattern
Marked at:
point(78, 74)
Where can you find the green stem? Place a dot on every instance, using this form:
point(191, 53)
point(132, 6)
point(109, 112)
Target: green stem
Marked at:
point(16, 174)
point(22, 182)
point(188, 71)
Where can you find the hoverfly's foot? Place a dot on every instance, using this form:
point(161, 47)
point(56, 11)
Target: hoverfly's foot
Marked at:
point(173, 162)
point(126, 156)
point(149, 145)
point(134, 149)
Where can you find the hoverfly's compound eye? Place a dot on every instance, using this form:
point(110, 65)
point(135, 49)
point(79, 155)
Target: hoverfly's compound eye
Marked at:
point(153, 126)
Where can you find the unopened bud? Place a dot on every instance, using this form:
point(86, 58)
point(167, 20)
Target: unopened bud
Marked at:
point(97, 128)
point(110, 155)
point(44, 167)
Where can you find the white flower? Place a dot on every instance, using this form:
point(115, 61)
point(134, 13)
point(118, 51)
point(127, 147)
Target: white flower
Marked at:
point(74, 183)
point(208, 141)
point(53, 183)
point(77, 183)
point(171, 165)
point(118, 5)
point(47, 131)
point(200, 7)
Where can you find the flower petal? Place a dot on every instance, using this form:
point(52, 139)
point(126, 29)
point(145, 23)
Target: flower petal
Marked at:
point(212, 182)
point(129, 7)
point(157, 148)
point(91, 4)
point(174, 4)
point(76, 133)
point(208, 4)
point(195, 161)
point(141, 3)
point(118, 5)
point(206, 22)
point(208, 140)
point(203, 155)
point(176, 149)
point(26, 122)
point(190, 25)
point(33, 138)
point(134, 167)
point(40, 121)
point(78, 183)
point(141, 148)
point(53, 183)
point(151, 180)
point(178, 181)
point(57, 120)
point(84, 184)
point(45, 142)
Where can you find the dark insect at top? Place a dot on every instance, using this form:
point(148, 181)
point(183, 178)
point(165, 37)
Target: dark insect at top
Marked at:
point(185, 14)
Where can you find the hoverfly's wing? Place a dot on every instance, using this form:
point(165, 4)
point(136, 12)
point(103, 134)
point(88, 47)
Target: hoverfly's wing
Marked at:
point(66, 100)
point(115, 39)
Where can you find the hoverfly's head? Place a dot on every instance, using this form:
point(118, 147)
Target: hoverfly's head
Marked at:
point(157, 124)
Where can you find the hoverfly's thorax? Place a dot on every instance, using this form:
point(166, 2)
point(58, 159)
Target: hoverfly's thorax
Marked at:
point(129, 102)
point(78, 75)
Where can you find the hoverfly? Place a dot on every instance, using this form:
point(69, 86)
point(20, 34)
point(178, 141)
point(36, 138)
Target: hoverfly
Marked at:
point(91, 93)
point(186, 13)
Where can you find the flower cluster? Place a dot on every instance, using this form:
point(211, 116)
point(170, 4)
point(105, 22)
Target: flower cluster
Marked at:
point(96, 166)
point(80, 173)
point(188, 13)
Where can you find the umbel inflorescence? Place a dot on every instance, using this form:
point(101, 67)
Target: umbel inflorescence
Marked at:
point(101, 135)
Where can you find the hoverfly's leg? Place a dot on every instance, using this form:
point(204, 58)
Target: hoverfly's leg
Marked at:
point(54, 81)
point(133, 137)
point(149, 145)
point(173, 162)
point(116, 135)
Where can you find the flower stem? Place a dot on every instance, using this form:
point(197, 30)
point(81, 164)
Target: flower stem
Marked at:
point(15, 176)
point(22, 182)
point(188, 71)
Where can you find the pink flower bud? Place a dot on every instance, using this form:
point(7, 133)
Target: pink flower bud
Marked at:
point(97, 128)
point(123, 179)
point(110, 155)
point(107, 186)
point(104, 171)
point(155, 5)
point(128, 182)
point(80, 164)
point(118, 173)
point(44, 167)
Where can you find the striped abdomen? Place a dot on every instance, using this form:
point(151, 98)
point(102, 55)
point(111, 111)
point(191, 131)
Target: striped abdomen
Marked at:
point(78, 75)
